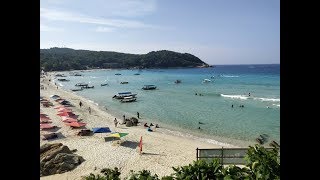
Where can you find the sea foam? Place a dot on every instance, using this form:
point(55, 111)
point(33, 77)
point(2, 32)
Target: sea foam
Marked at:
point(235, 96)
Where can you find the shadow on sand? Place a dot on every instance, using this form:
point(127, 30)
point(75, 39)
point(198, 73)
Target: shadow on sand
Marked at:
point(51, 130)
point(146, 153)
point(130, 144)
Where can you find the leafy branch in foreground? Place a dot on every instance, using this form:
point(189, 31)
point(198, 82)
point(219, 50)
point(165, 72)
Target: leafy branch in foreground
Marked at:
point(261, 164)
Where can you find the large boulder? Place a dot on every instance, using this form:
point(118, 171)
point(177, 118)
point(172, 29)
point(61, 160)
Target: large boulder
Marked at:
point(57, 158)
point(134, 121)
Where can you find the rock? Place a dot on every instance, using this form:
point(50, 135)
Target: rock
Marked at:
point(134, 121)
point(74, 150)
point(129, 124)
point(57, 158)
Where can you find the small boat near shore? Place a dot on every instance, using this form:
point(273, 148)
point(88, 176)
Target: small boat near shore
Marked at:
point(80, 89)
point(122, 95)
point(136, 74)
point(105, 84)
point(124, 82)
point(81, 84)
point(149, 87)
point(63, 80)
point(87, 87)
point(177, 81)
point(117, 74)
point(128, 99)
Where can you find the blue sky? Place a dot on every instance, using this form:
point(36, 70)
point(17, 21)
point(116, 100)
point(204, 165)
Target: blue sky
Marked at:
point(216, 31)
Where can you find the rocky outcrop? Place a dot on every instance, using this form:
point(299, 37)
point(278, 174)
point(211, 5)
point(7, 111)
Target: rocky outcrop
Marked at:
point(57, 158)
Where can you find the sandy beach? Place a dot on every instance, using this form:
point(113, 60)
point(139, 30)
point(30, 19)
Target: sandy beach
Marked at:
point(161, 151)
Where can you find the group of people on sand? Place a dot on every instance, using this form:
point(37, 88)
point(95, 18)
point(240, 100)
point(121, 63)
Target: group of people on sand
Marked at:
point(149, 127)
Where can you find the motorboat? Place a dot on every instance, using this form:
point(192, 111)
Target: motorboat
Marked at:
point(149, 87)
point(63, 80)
point(117, 74)
point(105, 84)
point(123, 95)
point(81, 84)
point(86, 87)
point(124, 82)
point(206, 80)
point(80, 89)
point(136, 74)
point(128, 99)
point(177, 81)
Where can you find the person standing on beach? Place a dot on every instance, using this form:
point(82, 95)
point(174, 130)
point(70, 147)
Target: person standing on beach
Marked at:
point(138, 114)
point(115, 122)
point(124, 118)
point(80, 104)
point(89, 110)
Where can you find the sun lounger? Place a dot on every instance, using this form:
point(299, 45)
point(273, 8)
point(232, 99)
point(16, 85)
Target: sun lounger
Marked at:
point(47, 126)
point(49, 136)
point(85, 132)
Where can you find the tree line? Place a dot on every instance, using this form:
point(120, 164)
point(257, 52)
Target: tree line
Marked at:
point(63, 59)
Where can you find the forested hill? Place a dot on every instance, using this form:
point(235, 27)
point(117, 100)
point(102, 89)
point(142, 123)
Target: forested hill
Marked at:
point(59, 59)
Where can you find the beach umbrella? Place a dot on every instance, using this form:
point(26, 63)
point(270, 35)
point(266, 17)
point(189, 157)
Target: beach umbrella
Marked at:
point(54, 96)
point(101, 130)
point(66, 114)
point(45, 121)
point(43, 115)
point(44, 118)
point(58, 107)
point(75, 124)
point(118, 135)
point(46, 126)
point(69, 120)
point(64, 110)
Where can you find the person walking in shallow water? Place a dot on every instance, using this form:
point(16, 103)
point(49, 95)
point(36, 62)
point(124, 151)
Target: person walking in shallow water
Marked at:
point(80, 104)
point(138, 115)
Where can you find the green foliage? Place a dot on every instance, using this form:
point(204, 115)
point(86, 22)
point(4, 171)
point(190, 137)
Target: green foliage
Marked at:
point(199, 170)
point(167, 178)
point(235, 172)
point(111, 174)
point(94, 177)
point(56, 59)
point(262, 163)
point(143, 175)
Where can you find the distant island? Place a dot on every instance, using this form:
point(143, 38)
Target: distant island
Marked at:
point(64, 59)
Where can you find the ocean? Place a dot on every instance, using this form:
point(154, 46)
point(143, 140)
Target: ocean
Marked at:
point(177, 108)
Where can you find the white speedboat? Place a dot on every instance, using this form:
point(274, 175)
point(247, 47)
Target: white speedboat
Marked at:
point(206, 80)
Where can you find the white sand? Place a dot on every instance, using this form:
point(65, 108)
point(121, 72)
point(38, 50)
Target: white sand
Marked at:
point(162, 151)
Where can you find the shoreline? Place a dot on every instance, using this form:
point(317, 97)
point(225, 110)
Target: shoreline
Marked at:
point(217, 140)
point(162, 149)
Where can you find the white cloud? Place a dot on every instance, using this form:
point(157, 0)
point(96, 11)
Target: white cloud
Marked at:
point(129, 8)
point(107, 8)
point(55, 15)
point(45, 28)
point(104, 29)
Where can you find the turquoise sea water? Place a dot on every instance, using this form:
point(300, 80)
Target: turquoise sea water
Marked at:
point(176, 107)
